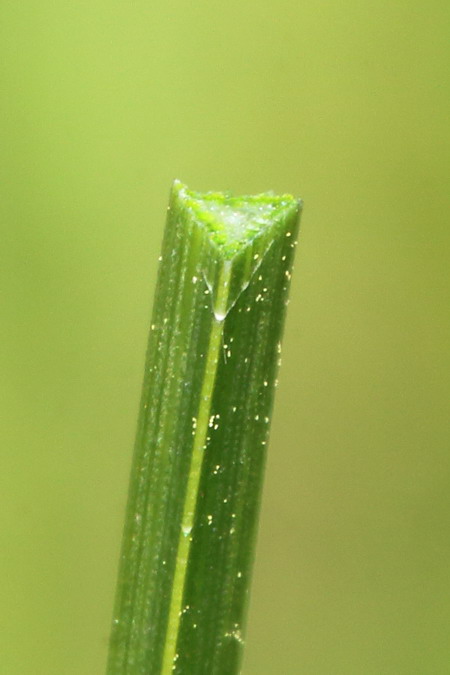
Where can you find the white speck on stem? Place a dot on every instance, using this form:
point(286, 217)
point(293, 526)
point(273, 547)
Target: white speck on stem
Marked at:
point(235, 634)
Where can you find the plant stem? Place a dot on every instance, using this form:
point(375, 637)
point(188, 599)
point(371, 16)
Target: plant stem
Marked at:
point(199, 456)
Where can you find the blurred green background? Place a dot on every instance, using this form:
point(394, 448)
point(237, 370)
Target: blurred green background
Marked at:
point(345, 103)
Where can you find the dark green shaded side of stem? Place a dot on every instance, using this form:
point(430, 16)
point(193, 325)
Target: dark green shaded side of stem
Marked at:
point(218, 578)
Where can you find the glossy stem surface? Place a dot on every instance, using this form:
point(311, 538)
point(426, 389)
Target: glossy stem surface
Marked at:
point(195, 486)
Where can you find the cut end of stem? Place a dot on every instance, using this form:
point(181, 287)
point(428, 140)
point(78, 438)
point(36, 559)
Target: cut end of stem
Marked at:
point(238, 232)
point(233, 222)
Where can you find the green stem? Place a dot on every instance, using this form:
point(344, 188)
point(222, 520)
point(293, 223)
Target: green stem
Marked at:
point(200, 448)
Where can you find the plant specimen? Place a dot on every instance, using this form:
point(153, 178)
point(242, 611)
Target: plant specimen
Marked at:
point(195, 487)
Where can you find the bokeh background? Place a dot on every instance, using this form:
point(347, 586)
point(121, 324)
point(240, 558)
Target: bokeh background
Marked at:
point(345, 103)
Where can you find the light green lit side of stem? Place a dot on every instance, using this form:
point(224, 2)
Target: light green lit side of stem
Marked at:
point(201, 431)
